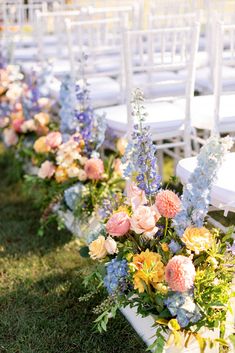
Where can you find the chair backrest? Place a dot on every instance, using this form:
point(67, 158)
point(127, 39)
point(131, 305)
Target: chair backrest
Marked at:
point(132, 11)
point(156, 51)
point(217, 10)
point(52, 23)
point(110, 6)
point(98, 39)
point(170, 7)
point(169, 21)
point(224, 56)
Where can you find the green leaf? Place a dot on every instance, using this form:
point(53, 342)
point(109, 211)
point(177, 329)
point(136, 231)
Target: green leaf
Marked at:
point(232, 339)
point(222, 342)
point(158, 345)
point(84, 251)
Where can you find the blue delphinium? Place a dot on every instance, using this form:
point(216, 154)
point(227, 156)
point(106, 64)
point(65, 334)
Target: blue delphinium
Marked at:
point(68, 123)
point(140, 158)
point(73, 194)
point(115, 279)
point(196, 194)
point(30, 99)
point(91, 125)
point(182, 306)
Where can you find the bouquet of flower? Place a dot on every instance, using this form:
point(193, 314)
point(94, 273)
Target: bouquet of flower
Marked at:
point(25, 114)
point(72, 175)
point(156, 253)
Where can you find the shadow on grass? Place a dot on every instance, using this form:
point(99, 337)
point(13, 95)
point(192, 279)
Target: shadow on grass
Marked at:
point(19, 224)
point(20, 220)
point(47, 317)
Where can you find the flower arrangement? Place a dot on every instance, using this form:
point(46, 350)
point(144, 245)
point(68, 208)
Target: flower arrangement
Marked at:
point(72, 173)
point(26, 114)
point(154, 250)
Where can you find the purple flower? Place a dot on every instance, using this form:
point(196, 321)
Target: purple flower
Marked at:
point(140, 159)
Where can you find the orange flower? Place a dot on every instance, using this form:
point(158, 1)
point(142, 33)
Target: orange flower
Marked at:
point(61, 175)
point(149, 270)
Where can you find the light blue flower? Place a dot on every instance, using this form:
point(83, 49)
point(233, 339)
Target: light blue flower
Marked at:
point(196, 194)
point(73, 194)
point(174, 246)
point(115, 279)
point(183, 307)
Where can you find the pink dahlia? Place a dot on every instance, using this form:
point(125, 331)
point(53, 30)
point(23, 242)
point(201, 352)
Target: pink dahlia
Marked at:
point(180, 273)
point(118, 225)
point(54, 139)
point(168, 203)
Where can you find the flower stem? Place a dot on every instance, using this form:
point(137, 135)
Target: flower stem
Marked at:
point(166, 228)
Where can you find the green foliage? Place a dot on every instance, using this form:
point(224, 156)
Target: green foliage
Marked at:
point(159, 344)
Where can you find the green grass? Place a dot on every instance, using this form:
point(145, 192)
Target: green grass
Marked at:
point(40, 283)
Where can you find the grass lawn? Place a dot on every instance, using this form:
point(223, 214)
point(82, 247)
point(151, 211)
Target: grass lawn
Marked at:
point(40, 283)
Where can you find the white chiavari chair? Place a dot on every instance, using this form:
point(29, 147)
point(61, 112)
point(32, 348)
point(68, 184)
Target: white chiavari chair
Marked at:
point(166, 121)
point(216, 10)
point(214, 113)
point(101, 41)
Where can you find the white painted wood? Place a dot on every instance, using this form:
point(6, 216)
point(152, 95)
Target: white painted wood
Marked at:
point(167, 49)
point(144, 327)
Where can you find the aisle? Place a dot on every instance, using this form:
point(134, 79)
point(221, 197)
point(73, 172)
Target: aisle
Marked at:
point(40, 286)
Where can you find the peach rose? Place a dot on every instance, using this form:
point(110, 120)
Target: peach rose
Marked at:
point(4, 122)
point(117, 165)
point(28, 125)
point(118, 225)
point(111, 246)
point(40, 145)
point(17, 124)
point(14, 91)
point(82, 175)
point(10, 138)
point(54, 139)
point(42, 118)
point(143, 221)
point(94, 168)
point(73, 171)
point(97, 249)
point(47, 170)
point(135, 196)
point(121, 145)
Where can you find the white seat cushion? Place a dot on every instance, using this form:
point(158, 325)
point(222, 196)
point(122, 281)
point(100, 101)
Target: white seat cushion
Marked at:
point(104, 91)
point(163, 117)
point(202, 113)
point(204, 80)
point(223, 190)
point(171, 88)
point(108, 63)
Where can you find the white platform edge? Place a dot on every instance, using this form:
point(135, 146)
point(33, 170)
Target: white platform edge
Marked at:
point(144, 328)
